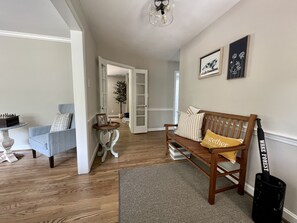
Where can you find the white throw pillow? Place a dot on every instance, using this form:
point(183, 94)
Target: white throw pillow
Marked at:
point(61, 122)
point(189, 126)
point(192, 110)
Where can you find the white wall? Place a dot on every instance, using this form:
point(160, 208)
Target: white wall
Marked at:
point(35, 77)
point(160, 82)
point(269, 88)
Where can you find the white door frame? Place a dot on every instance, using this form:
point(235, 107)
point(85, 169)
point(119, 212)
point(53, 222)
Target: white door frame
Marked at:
point(102, 85)
point(141, 128)
point(176, 96)
point(131, 91)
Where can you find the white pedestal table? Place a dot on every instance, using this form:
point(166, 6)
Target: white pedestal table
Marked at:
point(6, 143)
point(108, 137)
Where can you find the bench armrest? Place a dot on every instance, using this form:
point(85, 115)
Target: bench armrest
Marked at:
point(170, 125)
point(228, 149)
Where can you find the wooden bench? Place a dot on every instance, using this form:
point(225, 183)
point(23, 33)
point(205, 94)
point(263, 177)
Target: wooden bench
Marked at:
point(229, 125)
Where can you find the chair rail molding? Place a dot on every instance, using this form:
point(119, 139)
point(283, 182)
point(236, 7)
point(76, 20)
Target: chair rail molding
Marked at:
point(34, 36)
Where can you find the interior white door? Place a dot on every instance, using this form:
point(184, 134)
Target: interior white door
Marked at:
point(140, 100)
point(102, 85)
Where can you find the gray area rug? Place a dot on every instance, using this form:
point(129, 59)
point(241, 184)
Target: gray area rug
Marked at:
point(177, 192)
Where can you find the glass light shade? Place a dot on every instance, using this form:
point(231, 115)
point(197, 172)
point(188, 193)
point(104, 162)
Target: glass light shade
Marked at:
point(159, 18)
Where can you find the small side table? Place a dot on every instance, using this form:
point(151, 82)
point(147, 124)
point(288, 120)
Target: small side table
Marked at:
point(114, 135)
point(6, 143)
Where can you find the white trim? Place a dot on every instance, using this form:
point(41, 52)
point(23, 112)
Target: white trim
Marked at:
point(176, 95)
point(280, 138)
point(34, 36)
point(289, 140)
point(156, 129)
point(289, 216)
point(80, 100)
point(21, 147)
point(160, 109)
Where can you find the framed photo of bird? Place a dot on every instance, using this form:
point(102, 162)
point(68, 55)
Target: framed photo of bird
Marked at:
point(211, 64)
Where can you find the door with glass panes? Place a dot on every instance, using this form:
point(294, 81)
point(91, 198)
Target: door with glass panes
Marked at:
point(141, 100)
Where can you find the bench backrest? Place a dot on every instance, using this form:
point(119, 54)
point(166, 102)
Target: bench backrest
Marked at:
point(234, 126)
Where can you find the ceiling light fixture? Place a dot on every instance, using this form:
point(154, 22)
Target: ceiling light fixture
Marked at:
point(161, 12)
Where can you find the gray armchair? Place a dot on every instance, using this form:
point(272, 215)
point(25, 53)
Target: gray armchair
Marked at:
point(51, 143)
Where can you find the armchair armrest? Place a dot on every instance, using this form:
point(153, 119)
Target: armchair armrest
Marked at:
point(62, 140)
point(39, 130)
point(228, 149)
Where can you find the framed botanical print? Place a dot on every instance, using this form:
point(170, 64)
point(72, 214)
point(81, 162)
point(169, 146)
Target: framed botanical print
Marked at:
point(238, 52)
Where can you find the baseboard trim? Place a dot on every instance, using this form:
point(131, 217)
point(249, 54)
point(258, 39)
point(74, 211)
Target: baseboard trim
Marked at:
point(21, 147)
point(289, 216)
point(34, 36)
point(156, 129)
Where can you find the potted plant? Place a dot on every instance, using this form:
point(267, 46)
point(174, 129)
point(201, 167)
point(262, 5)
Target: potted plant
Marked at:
point(121, 95)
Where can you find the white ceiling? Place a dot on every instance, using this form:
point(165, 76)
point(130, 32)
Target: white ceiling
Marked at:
point(120, 24)
point(32, 16)
point(124, 24)
point(116, 71)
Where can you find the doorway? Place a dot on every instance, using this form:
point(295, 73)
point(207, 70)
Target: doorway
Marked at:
point(176, 96)
point(137, 84)
point(117, 76)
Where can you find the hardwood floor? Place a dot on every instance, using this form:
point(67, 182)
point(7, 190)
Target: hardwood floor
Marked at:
point(32, 192)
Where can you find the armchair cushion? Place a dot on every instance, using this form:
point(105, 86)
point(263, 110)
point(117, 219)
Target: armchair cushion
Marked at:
point(61, 122)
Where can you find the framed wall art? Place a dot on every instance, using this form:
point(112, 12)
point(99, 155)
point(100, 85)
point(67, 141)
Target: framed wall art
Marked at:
point(211, 64)
point(101, 119)
point(238, 52)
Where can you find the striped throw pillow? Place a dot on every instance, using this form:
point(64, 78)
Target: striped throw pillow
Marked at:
point(192, 110)
point(61, 122)
point(189, 126)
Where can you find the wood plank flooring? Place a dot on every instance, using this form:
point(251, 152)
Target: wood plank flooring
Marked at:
point(32, 192)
